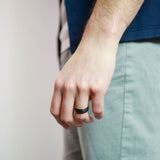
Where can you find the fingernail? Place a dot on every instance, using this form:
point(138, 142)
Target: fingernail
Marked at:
point(98, 117)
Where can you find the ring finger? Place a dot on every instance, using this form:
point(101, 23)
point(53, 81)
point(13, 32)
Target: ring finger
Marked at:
point(81, 102)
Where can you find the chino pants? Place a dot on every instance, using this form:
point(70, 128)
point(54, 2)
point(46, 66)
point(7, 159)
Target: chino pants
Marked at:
point(130, 128)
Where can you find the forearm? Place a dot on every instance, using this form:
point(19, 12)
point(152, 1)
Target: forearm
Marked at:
point(110, 18)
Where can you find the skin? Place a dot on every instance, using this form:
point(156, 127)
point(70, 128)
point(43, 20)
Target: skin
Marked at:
point(88, 73)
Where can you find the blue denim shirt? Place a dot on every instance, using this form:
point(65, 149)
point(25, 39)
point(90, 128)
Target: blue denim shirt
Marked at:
point(145, 25)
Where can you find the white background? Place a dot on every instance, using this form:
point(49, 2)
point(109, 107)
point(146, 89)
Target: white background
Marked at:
point(28, 68)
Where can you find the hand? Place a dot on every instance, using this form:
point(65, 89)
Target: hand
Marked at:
point(85, 76)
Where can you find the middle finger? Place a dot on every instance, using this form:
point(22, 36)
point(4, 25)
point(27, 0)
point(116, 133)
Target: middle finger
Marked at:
point(67, 115)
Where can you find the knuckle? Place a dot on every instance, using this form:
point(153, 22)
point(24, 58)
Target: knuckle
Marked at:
point(97, 86)
point(97, 110)
point(54, 113)
point(95, 89)
point(65, 119)
point(82, 87)
point(69, 86)
point(58, 83)
point(80, 117)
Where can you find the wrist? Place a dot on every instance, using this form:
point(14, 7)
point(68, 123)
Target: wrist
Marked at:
point(100, 44)
point(106, 21)
point(100, 30)
point(101, 39)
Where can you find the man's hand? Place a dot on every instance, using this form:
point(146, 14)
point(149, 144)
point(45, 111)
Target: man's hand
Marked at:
point(88, 73)
point(86, 76)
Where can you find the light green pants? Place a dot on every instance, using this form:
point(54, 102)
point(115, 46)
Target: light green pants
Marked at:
point(130, 128)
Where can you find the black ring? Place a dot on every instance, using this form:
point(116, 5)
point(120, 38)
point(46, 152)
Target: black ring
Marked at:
point(81, 111)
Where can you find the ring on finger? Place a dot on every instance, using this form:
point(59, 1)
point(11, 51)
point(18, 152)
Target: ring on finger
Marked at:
point(81, 111)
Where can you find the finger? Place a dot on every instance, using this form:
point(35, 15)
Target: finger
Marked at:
point(56, 103)
point(62, 123)
point(67, 115)
point(81, 102)
point(98, 105)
